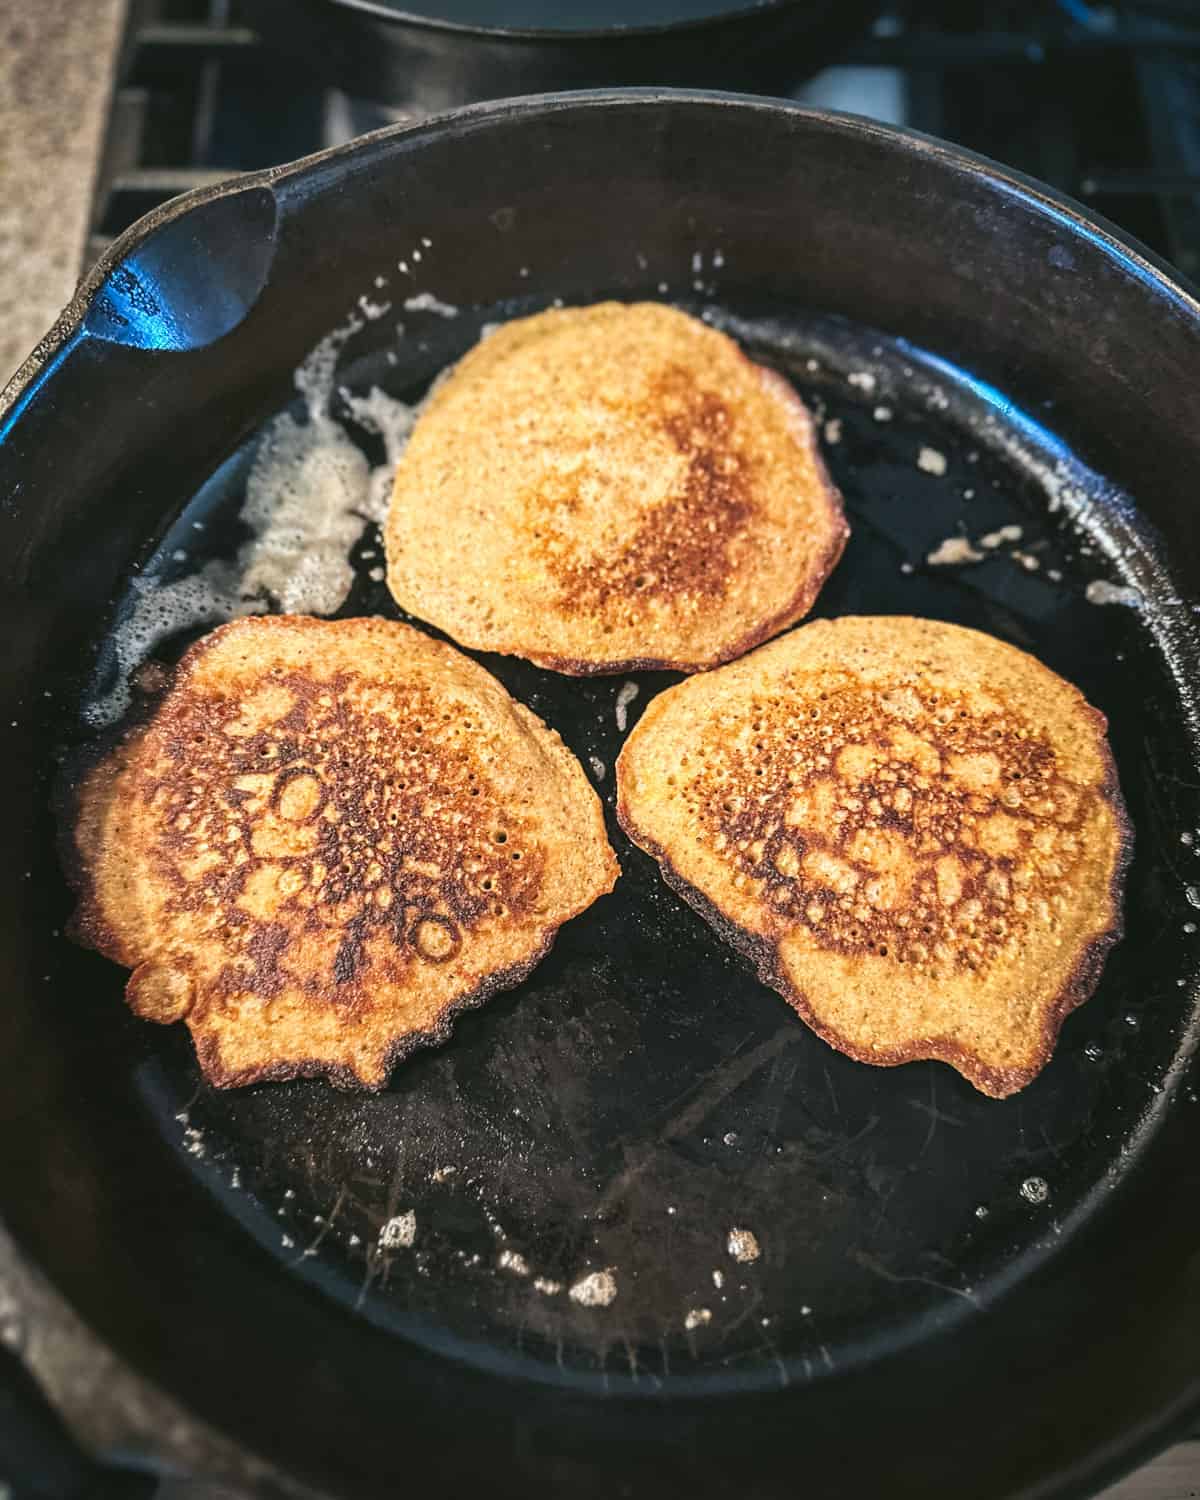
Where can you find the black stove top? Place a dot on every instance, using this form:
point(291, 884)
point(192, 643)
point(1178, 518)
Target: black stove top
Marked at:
point(1101, 101)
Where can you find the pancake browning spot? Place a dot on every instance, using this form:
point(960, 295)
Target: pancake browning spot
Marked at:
point(354, 802)
point(329, 837)
point(611, 487)
point(919, 831)
point(913, 829)
point(682, 548)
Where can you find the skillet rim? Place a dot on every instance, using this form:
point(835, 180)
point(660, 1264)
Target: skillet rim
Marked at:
point(1124, 249)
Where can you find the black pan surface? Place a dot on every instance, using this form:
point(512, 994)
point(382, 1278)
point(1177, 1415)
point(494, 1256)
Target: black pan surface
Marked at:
point(935, 1267)
point(642, 1094)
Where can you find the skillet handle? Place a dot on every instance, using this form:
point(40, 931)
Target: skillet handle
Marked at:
point(39, 1459)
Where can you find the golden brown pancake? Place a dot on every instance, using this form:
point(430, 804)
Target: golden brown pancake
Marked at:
point(327, 839)
point(612, 487)
point(914, 830)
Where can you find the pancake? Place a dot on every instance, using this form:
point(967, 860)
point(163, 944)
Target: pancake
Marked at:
point(913, 830)
point(327, 839)
point(607, 488)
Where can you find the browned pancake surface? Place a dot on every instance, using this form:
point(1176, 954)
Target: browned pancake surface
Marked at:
point(914, 829)
point(327, 839)
point(611, 487)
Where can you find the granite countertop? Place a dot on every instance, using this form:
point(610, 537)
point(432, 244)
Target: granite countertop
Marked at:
point(57, 61)
point(57, 66)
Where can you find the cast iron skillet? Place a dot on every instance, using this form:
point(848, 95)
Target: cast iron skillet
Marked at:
point(440, 53)
point(955, 1295)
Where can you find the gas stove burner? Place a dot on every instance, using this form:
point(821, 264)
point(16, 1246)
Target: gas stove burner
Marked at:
point(1031, 84)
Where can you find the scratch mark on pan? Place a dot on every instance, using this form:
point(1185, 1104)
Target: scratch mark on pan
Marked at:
point(838, 1147)
point(785, 1378)
point(370, 1273)
point(778, 1084)
point(750, 1308)
point(827, 1357)
point(938, 1116)
point(1050, 1146)
point(739, 1045)
point(631, 1358)
point(871, 1264)
point(542, 1094)
point(330, 1218)
point(753, 1351)
point(732, 1075)
point(397, 1182)
point(832, 1091)
point(933, 1116)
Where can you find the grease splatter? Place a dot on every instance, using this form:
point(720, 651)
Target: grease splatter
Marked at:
point(599, 1289)
point(399, 1232)
point(743, 1245)
point(932, 461)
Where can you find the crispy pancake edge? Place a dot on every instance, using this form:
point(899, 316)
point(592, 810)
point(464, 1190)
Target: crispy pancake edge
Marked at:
point(996, 1083)
point(88, 928)
point(85, 926)
point(346, 1078)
